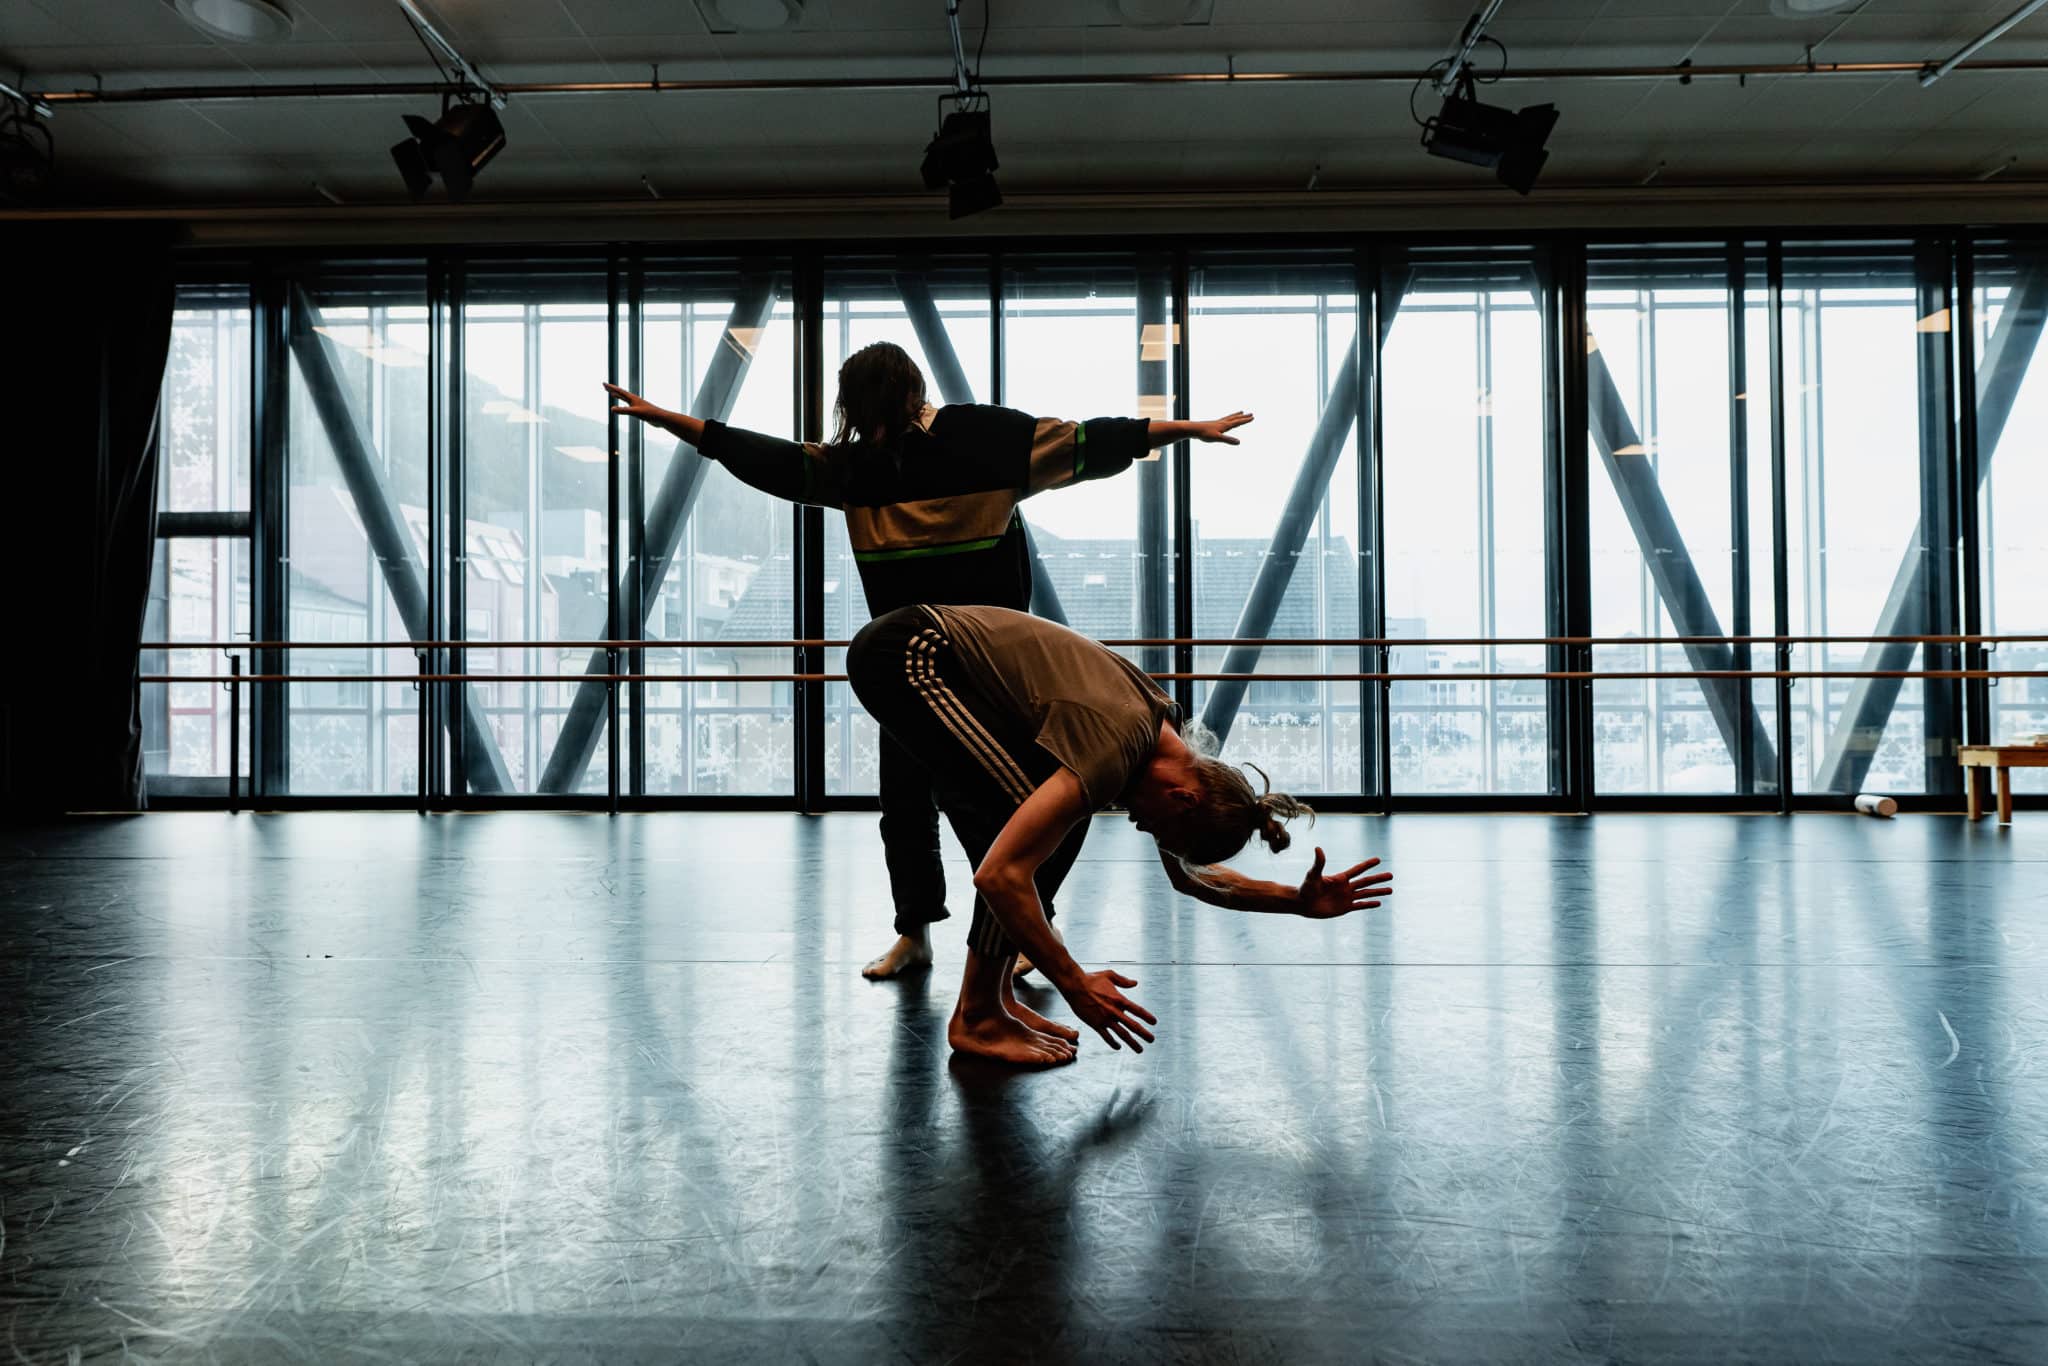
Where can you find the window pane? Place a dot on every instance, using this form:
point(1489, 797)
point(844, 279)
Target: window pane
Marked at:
point(1680, 517)
point(204, 464)
point(1272, 336)
point(198, 591)
point(1865, 356)
point(2012, 306)
point(729, 567)
point(869, 301)
point(1091, 336)
point(1463, 436)
point(357, 463)
point(536, 437)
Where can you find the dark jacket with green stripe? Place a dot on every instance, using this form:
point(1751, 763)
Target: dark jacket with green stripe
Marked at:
point(933, 516)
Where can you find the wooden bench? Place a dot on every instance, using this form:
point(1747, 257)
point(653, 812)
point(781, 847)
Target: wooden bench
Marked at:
point(2003, 759)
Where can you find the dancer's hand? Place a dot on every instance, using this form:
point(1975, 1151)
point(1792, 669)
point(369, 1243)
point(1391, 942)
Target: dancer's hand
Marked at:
point(1216, 428)
point(1109, 1012)
point(631, 404)
point(1354, 889)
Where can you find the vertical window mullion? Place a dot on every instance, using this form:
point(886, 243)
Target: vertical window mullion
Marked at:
point(270, 387)
point(453, 697)
point(436, 568)
point(635, 625)
point(1179, 340)
point(1781, 574)
point(809, 544)
point(1572, 542)
point(613, 502)
point(1740, 623)
point(1971, 558)
point(1373, 521)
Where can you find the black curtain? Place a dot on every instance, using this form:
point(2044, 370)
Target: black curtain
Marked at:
point(82, 351)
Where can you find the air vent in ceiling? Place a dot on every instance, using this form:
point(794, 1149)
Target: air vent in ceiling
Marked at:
point(237, 21)
point(750, 16)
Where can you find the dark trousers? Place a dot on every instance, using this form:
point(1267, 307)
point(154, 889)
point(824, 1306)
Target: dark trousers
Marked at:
point(982, 761)
point(910, 838)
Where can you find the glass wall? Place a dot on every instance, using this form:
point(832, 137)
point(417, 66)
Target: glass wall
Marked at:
point(199, 590)
point(391, 450)
point(718, 341)
point(1680, 516)
point(199, 586)
point(2012, 443)
point(358, 496)
point(1093, 336)
point(938, 311)
point(536, 544)
point(1276, 549)
point(1871, 537)
point(1463, 481)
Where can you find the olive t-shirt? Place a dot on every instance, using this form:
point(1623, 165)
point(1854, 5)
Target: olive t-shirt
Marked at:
point(1094, 711)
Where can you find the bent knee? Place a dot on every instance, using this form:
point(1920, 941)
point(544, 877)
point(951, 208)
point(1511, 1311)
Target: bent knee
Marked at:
point(863, 651)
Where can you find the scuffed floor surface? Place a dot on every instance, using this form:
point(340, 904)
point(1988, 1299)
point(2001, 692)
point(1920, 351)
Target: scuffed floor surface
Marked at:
point(537, 1087)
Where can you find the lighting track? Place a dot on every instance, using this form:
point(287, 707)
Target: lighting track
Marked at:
point(1050, 80)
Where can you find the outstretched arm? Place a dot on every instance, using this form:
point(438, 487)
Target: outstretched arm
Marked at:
point(1318, 897)
point(1065, 453)
point(1008, 880)
point(790, 470)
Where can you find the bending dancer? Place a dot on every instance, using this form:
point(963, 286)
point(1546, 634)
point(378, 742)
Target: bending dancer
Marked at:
point(1028, 729)
point(931, 498)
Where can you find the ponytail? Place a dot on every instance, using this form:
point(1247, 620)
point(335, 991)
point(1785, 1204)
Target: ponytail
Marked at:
point(1230, 813)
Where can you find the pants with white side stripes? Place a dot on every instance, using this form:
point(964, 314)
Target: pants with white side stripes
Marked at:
point(983, 760)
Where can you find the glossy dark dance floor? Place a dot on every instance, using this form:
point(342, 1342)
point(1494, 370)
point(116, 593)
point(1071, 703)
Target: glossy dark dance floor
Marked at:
point(535, 1088)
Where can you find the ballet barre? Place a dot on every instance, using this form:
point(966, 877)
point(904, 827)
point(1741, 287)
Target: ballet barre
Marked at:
point(424, 651)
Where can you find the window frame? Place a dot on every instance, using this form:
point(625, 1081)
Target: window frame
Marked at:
point(1942, 261)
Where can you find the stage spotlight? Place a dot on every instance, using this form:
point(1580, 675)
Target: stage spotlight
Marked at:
point(1507, 140)
point(455, 146)
point(962, 158)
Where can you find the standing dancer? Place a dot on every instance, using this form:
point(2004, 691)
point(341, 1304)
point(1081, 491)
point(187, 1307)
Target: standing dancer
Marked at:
point(1028, 729)
point(931, 498)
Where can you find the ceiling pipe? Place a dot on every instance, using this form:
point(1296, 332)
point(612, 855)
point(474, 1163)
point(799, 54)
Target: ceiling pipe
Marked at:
point(1983, 40)
point(414, 89)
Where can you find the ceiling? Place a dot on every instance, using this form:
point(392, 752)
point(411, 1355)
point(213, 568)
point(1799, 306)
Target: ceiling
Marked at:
point(1772, 129)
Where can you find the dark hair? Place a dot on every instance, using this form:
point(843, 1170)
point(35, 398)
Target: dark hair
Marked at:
point(880, 390)
point(1230, 813)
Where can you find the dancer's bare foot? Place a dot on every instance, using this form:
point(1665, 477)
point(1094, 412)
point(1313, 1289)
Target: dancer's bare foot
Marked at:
point(1032, 1019)
point(1003, 1037)
point(908, 953)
